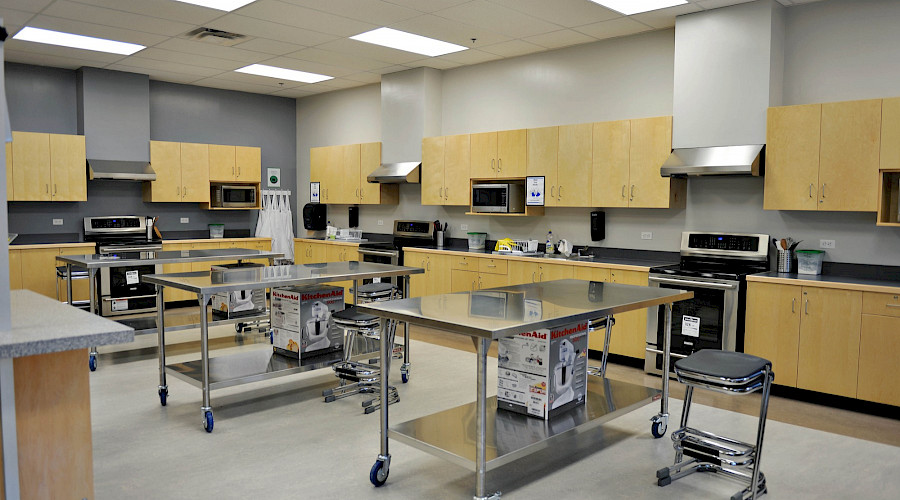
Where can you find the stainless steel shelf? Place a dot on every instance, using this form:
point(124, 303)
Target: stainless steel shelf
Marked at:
point(451, 434)
point(175, 322)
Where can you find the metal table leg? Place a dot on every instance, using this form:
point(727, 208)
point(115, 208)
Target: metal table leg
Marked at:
point(68, 283)
point(608, 333)
point(482, 346)
point(404, 367)
point(206, 409)
point(92, 290)
point(379, 473)
point(8, 429)
point(661, 420)
point(163, 388)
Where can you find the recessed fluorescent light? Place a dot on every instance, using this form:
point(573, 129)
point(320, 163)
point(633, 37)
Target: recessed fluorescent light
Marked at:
point(226, 5)
point(409, 42)
point(629, 7)
point(76, 41)
point(283, 74)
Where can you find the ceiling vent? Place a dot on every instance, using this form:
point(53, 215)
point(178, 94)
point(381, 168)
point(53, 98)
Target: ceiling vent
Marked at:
point(218, 37)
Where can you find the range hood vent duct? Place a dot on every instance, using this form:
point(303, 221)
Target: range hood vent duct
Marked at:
point(121, 170)
point(396, 173)
point(720, 160)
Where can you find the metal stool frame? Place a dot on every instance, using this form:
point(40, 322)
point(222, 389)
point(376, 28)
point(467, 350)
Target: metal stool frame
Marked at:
point(606, 322)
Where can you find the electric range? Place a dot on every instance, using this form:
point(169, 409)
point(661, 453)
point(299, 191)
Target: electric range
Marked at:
point(406, 233)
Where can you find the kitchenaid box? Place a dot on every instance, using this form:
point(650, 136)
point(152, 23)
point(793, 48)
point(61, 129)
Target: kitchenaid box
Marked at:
point(543, 372)
point(301, 319)
point(227, 305)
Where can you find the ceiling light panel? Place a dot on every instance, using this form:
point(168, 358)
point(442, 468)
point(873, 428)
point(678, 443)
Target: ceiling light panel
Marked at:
point(283, 73)
point(50, 37)
point(226, 5)
point(630, 7)
point(401, 40)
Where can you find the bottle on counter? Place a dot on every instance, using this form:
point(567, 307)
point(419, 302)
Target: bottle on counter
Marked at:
point(330, 231)
point(549, 246)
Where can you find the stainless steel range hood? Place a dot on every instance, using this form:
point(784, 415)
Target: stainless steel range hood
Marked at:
point(396, 173)
point(120, 170)
point(720, 160)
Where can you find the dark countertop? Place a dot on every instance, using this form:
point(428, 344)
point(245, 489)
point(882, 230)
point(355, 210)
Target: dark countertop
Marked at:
point(833, 278)
point(600, 256)
point(47, 239)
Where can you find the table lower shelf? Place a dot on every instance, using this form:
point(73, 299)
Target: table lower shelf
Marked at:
point(175, 322)
point(451, 434)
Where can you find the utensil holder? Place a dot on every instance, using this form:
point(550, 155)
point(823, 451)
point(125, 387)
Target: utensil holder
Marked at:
point(785, 261)
point(439, 239)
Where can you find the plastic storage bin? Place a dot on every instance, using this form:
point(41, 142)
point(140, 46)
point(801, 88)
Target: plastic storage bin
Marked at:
point(809, 261)
point(216, 230)
point(476, 241)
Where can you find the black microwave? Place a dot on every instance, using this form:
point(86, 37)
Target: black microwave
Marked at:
point(507, 198)
point(232, 196)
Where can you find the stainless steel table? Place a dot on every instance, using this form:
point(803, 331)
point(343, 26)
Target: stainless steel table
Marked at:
point(226, 371)
point(499, 437)
point(93, 262)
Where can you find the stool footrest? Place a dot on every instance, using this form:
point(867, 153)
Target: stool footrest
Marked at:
point(694, 438)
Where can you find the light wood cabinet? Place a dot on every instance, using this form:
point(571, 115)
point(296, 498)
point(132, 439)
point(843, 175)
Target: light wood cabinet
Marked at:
point(46, 167)
point(31, 166)
point(437, 277)
point(498, 154)
point(829, 341)
point(371, 193)
point(446, 170)
point(194, 172)
point(463, 281)
point(342, 253)
point(521, 272)
point(182, 172)
point(9, 171)
point(35, 269)
point(574, 166)
point(248, 163)
point(772, 327)
point(342, 173)
point(432, 171)
point(221, 163)
point(15, 269)
point(629, 336)
point(67, 168)
point(483, 160)
point(173, 294)
point(824, 156)
point(542, 159)
point(469, 280)
point(879, 350)
point(308, 252)
point(611, 163)
point(235, 163)
point(651, 145)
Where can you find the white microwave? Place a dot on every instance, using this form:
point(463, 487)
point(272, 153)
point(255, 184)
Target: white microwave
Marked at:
point(507, 198)
point(232, 196)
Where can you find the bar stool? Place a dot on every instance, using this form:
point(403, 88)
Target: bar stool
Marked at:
point(730, 373)
point(375, 292)
point(606, 322)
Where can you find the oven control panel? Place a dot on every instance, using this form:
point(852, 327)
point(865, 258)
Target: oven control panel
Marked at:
point(739, 243)
point(412, 228)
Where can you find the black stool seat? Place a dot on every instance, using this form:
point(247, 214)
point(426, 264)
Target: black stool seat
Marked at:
point(351, 314)
point(375, 288)
point(724, 364)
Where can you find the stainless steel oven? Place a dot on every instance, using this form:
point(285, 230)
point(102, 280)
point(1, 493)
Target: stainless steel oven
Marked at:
point(122, 290)
point(407, 233)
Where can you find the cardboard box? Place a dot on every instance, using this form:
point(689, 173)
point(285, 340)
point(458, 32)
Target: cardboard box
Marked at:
point(301, 319)
point(543, 372)
point(227, 305)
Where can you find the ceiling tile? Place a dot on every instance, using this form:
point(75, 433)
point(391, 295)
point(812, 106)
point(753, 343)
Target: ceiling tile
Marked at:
point(342, 59)
point(153, 64)
point(428, 5)
point(365, 77)
point(715, 4)
point(261, 81)
point(436, 63)
point(164, 55)
point(110, 17)
point(566, 13)
point(266, 29)
point(52, 60)
point(309, 66)
point(391, 69)
point(497, 18)
point(302, 17)
point(211, 50)
point(33, 6)
point(293, 93)
point(271, 47)
point(622, 26)
point(154, 74)
point(471, 57)
point(221, 83)
point(559, 39)
point(96, 58)
point(513, 48)
point(371, 11)
point(377, 52)
point(165, 9)
point(665, 18)
point(15, 18)
point(340, 83)
point(95, 30)
point(449, 31)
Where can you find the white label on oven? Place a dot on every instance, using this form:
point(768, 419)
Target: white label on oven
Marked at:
point(690, 326)
point(376, 280)
point(132, 278)
point(120, 304)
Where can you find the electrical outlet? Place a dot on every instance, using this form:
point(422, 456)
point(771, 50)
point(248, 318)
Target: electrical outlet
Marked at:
point(380, 222)
point(57, 222)
point(826, 243)
point(646, 235)
point(185, 220)
point(464, 227)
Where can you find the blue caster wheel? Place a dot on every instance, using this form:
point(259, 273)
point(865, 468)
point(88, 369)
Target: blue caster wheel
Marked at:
point(379, 474)
point(208, 421)
point(239, 327)
point(404, 377)
point(92, 363)
point(271, 337)
point(163, 395)
point(658, 429)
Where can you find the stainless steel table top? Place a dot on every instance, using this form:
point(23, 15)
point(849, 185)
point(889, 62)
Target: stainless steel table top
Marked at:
point(93, 261)
point(207, 282)
point(502, 312)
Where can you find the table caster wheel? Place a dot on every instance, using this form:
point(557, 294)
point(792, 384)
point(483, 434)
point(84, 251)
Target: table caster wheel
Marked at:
point(404, 377)
point(379, 473)
point(658, 429)
point(92, 362)
point(208, 421)
point(163, 396)
point(239, 327)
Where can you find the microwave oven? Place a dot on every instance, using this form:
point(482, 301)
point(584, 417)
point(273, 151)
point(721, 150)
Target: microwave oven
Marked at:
point(507, 198)
point(232, 196)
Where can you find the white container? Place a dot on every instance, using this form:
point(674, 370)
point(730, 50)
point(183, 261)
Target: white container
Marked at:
point(476, 241)
point(809, 261)
point(216, 230)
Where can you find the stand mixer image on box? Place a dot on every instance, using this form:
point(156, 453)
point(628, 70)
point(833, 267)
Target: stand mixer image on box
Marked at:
point(315, 333)
point(301, 320)
point(563, 375)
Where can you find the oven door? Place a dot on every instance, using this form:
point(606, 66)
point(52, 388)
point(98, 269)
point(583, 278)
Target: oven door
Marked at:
point(707, 321)
point(122, 290)
point(381, 256)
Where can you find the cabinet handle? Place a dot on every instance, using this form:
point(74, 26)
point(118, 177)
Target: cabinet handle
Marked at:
point(823, 190)
point(492, 164)
point(893, 305)
point(177, 190)
point(499, 166)
point(184, 191)
point(532, 276)
point(624, 187)
point(54, 189)
point(632, 193)
point(491, 265)
point(357, 192)
point(560, 192)
point(440, 192)
point(446, 191)
point(239, 171)
point(807, 307)
point(464, 263)
point(232, 171)
point(541, 278)
point(473, 286)
point(552, 188)
point(793, 301)
point(426, 266)
point(810, 189)
point(47, 187)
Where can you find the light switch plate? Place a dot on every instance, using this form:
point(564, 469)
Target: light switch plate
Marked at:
point(826, 243)
point(464, 227)
point(185, 220)
point(646, 235)
point(380, 222)
point(57, 222)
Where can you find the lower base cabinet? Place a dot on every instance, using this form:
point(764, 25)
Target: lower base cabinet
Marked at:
point(35, 269)
point(879, 352)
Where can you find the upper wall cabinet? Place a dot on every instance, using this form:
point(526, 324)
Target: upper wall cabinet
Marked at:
point(446, 170)
point(498, 154)
point(823, 156)
point(182, 172)
point(46, 167)
point(562, 155)
point(234, 163)
point(342, 172)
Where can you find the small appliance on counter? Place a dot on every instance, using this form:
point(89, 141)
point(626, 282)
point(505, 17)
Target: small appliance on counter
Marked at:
point(314, 216)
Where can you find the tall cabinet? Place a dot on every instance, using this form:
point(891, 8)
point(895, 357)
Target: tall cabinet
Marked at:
point(446, 170)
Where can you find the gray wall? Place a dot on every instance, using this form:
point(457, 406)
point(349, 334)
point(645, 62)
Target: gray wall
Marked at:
point(114, 114)
point(44, 100)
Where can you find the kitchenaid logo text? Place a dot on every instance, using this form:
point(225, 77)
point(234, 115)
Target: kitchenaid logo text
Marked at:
point(555, 334)
point(534, 335)
point(318, 296)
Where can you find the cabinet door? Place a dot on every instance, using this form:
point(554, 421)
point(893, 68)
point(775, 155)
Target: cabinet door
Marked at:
point(369, 160)
point(309, 252)
point(879, 350)
point(432, 171)
point(773, 327)
point(15, 269)
point(890, 133)
point(221, 163)
point(9, 172)
point(31, 166)
point(195, 172)
point(521, 272)
point(793, 136)
point(39, 265)
point(418, 283)
point(590, 273)
point(346, 189)
point(629, 335)
point(80, 288)
point(67, 168)
point(318, 165)
point(438, 274)
point(165, 159)
point(829, 341)
point(552, 272)
point(611, 159)
point(248, 163)
point(491, 280)
point(209, 245)
point(849, 156)
point(511, 153)
point(463, 281)
point(173, 294)
point(456, 170)
point(575, 164)
point(541, 160)
point(651, 145)
point(483, 155)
